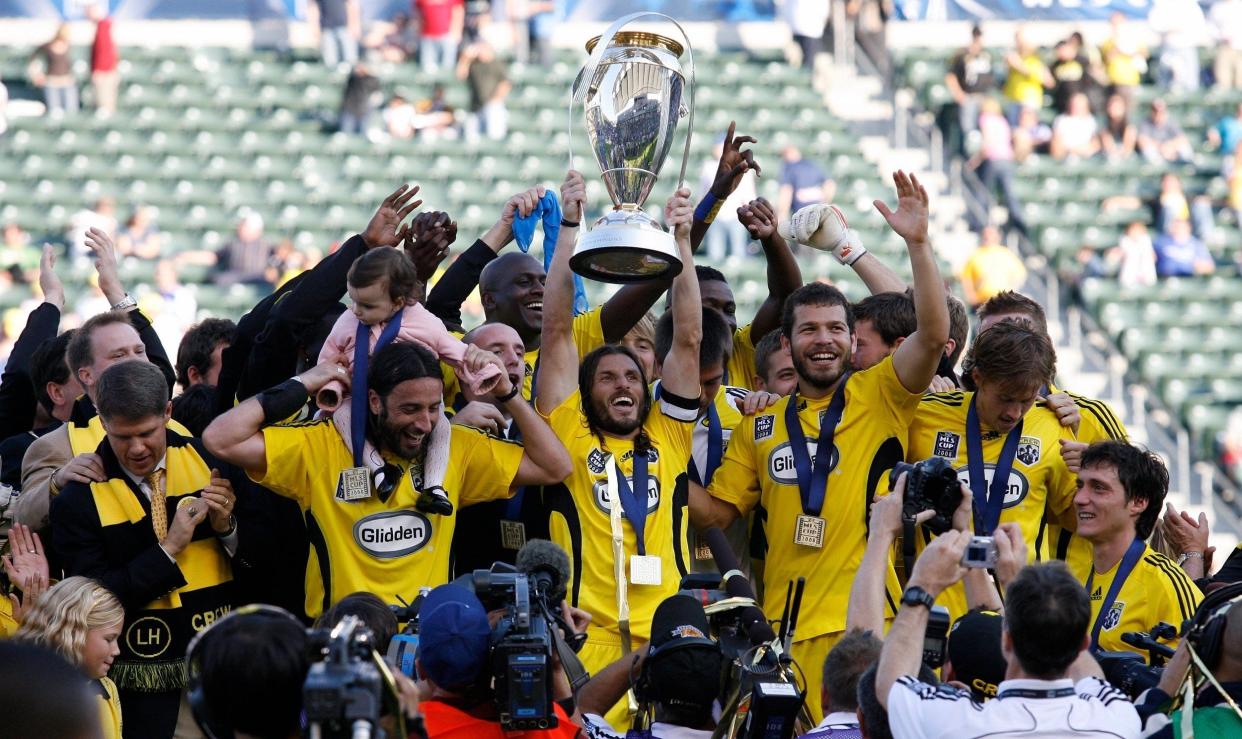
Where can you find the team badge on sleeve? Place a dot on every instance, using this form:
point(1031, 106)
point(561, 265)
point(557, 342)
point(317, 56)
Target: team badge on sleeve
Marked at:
point(763, 427)
point(1028, 450)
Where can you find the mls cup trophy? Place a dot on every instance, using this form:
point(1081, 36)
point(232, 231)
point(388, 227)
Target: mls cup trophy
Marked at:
point(633, 93)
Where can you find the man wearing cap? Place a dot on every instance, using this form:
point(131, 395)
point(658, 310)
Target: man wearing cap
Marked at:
point(453, 658)
point(674, 674)
point(974, 653)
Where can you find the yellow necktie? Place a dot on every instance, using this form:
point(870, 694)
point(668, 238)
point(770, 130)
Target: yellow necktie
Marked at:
point(159, 508)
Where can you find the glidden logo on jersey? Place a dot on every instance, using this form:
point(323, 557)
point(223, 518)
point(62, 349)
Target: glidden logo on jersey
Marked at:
point(600, 494)
point(1019, 486)
point(781, 462)
point(392, 533)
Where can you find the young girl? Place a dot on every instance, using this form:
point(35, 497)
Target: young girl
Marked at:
point(81, 620)
point(381, 284)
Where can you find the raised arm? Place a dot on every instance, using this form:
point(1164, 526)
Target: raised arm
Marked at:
point(681, 366)
point(558, 355)
point(237, 436)
point(18, 406)
point(545, 461)
point(784, 276)
point(866, 606)
point(915, 361)
point(732, 167)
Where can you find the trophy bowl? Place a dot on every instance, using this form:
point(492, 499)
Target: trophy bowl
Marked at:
point(632, 91)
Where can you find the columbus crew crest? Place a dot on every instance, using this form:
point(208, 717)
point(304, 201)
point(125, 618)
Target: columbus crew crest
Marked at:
point(1113, 617)
point(1028, 450)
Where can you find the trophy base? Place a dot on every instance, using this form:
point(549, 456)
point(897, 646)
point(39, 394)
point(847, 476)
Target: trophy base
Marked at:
point(626, 246)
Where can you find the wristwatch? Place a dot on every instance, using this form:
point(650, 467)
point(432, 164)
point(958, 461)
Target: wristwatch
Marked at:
point(1181, 559)
point(125, 303)
point(916, 596)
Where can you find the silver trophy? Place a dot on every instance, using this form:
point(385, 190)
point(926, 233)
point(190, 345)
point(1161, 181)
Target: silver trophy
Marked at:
point(633, 93)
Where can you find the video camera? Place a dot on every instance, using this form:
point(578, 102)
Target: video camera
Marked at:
point(1129, 672)
point(931, 485)
point(346, 691)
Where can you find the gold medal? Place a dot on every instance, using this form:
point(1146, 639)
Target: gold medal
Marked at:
point(809, 531)
point(354, 484)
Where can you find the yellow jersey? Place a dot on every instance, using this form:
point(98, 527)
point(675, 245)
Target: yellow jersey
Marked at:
point(992, 269)
point(1025, 86)
point(1097, 422)
point(758, 474)
point(588, 336)
point(1039, 478)
point(384, 547)
point(740, 371)
point(579, 511)
point(1156, 590)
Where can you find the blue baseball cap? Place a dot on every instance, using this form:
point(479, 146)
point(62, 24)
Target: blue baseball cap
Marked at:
point(454, 637)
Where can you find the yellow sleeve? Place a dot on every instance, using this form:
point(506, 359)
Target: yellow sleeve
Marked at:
point(881, 382)
point(588, 332)
point(742, 363)
point(488, 465)
point(1062, 486)
point(735, 480)
point(292, 452)
point(1098, 421)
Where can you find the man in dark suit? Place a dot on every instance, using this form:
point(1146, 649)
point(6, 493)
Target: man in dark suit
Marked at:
point(158, 530)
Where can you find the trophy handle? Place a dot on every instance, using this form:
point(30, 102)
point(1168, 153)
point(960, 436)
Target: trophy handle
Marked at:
point(577, 93)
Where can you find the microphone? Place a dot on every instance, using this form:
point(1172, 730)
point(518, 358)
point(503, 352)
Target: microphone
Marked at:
point(548, 567)
point(736, 585)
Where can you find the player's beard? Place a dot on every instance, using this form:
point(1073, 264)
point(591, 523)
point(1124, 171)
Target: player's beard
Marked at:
point(606, 422)
point(820, 379)
point(393, 438)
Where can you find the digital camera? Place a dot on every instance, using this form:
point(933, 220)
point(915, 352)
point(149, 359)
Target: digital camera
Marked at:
point(931, 485)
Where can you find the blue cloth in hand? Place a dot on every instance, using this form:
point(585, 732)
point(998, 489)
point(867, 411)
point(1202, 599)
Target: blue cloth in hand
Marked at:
point(547, 210)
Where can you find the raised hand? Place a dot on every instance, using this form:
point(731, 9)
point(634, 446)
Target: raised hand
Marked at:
point(332, 368)
point(104, 251)
point(87, 467)
point(26, 567)
point(573, 196)
point(679, 213)
point(1065, 408)
point(734, 163)
point(521, 204)
point(910, 220)
point(759, 218)
point(426, 241)
point(384, 228)
point(49, 282)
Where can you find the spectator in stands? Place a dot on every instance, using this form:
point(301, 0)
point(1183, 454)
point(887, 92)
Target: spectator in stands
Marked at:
point(1226, 133)
point(1160, 139)
point(1071, 74)
point(1031, 135)
point(1125, 57)
point(1173, 203)
point(1075, 132)
point(488, 78)
point(1182, 28)
point(15, 251)
point(1136, 257)
point(199, 355)
point(244, 258)
point(1028, 76)
point(337, 28)
point(803, 183)
point(399, 118)
point(971, 78)
point(807, 19)
point(51, 68)
point(1118, 136)
point(990, 269)
point(102, 215)
point(104, 60)
point(359, 101)
point(994, 161)
point(727, 236)
point(442, 22)
point(140, 238)
point(476, 17)
point(394, 41)
point(1180, 254)
point(436, 118)
point(1225, 18)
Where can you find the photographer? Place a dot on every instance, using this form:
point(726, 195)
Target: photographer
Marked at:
point(678, 672)
point(1121, 490)
point(1053, 686)
point(1216, 638)
point(454, 662)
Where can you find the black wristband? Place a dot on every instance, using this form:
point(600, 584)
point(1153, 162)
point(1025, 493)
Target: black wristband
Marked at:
point(517, 388)
point(569, 705)
point(282, 401)
point(569, 223)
